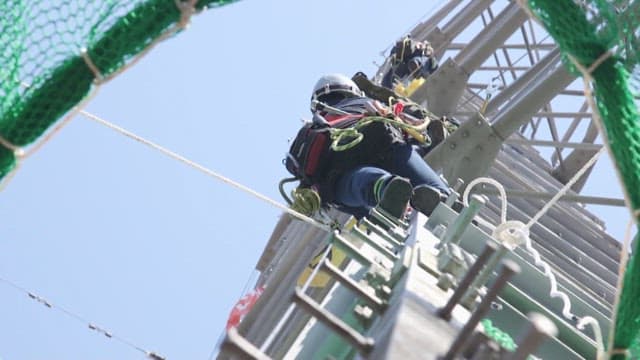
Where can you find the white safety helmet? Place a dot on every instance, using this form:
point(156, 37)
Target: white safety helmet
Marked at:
point(334, 83)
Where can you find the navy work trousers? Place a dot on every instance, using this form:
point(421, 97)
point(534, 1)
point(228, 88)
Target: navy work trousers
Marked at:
point(354, 188)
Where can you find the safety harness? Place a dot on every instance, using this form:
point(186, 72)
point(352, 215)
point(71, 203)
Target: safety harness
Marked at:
point(310, 153)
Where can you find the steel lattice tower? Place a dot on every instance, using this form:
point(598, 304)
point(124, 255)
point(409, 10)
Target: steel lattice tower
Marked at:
point(526, 124)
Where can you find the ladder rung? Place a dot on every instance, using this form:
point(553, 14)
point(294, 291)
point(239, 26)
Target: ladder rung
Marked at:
point(360, 342)
point(349, 283)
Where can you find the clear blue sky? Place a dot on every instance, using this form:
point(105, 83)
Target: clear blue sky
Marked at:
point(143, 245)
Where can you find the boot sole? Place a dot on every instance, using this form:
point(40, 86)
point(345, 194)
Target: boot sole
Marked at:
point(396, 197)
point(425, 199)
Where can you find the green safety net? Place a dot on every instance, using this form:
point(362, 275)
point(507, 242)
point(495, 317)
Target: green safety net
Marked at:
point(607, 33)
point(502, 338)
point(43, 73)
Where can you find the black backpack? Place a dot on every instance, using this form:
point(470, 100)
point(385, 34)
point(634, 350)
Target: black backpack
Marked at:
point(310, 153)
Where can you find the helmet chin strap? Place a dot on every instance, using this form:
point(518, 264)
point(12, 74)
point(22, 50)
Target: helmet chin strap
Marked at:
point(319, 105)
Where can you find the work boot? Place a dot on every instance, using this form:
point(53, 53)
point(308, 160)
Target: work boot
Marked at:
point(425, 198)
point(395, 197)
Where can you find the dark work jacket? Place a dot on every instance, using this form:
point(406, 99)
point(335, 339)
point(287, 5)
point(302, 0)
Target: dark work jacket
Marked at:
point(375, 145)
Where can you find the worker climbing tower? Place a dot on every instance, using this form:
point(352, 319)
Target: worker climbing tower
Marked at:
point(536, 274)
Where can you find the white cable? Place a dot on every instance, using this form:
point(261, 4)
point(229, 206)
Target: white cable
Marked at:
point(515, 233)
point(566, 310)
point(565, 188)
point(587, 78)
point(187, 10)
point(502, 195)
point(207, 171)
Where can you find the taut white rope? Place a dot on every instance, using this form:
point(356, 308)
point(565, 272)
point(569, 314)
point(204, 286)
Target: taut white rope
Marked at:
point(565, 188)
point(207, 171)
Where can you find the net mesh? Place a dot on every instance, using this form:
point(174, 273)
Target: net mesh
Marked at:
point(43, 74)
point(604, 38)
point(501, 337)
